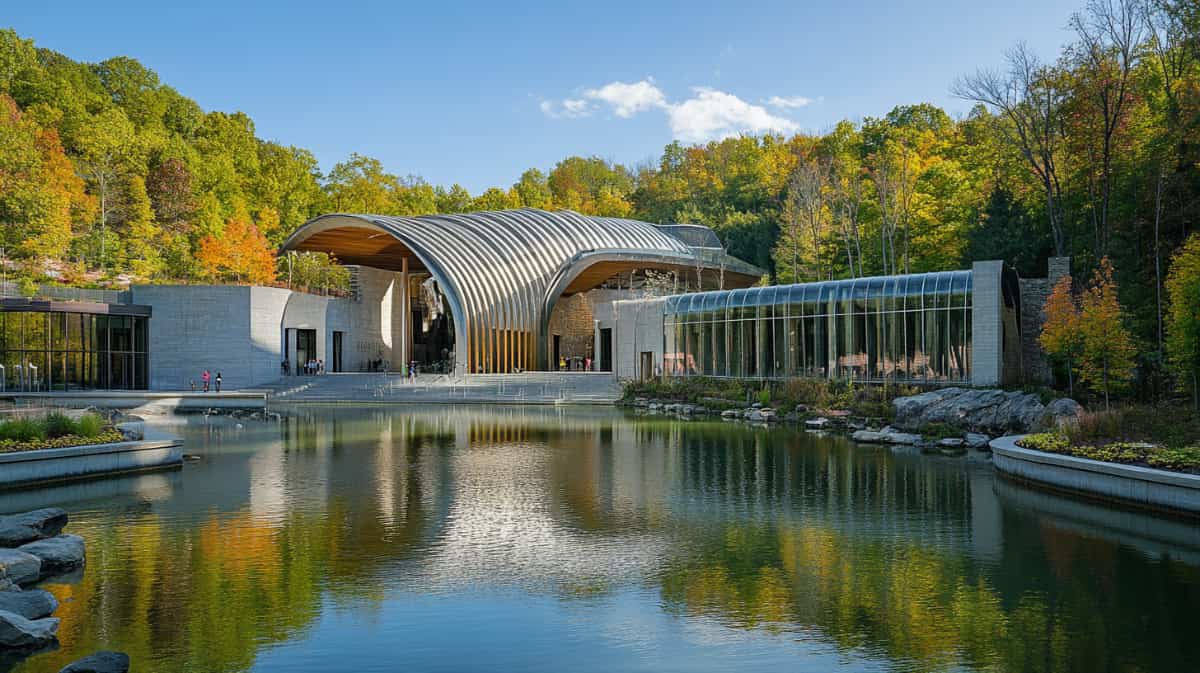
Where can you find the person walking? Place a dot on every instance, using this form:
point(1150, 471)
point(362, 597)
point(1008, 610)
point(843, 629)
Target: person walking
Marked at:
point(218, 382)
point(320, 367)
point(204, 379)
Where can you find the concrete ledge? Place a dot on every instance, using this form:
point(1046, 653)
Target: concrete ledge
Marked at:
point(27, 468)
point(1159, 489)
point(126, 399)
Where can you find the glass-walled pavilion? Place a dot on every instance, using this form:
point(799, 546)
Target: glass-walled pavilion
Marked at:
point(50, 345)
point(914, 328)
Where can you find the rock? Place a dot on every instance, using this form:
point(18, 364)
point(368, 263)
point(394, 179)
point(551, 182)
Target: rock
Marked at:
point(101, 662)
point(58, 554)
point(755, 415)
point(654, 406)
point(856, 425)
point(981, 410)
point(891, 435)
point(756, 405)
point(132, 431)
point(17, 529)
point(791, 417)
point(731, 413)
point(769, 415)
point(802, 408)
point(951, 442)
point(976, 440)
point(30, 604)
point(1061, 412)
point(20, 567)
point(817, 423)
point(20, 633)
point(867, 437)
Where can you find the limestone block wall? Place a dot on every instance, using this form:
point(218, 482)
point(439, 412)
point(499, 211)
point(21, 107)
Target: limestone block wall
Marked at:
point(987, 330)
point(198, 327)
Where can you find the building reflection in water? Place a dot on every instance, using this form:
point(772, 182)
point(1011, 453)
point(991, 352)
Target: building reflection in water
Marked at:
point(924, 563)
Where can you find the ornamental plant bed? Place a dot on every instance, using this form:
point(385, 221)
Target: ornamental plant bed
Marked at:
point(55, 431)
point(1179, 459)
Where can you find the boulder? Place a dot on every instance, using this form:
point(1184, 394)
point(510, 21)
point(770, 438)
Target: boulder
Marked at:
point(980, 410)
point(16, 632)
point(754, 415)
point(756, 405)
point(58, 554)
point(30, 604)
point(101, 662)
point(867, 437)
point(731, 413)
point(20, 567)
point(17, 529)
point(976, 440)
point(952, 442)
point(891, 435)
point(1060, 412)
point(132, 431)
point(817, 423)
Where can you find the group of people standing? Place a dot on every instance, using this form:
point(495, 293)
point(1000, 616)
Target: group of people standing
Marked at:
point(207, 380)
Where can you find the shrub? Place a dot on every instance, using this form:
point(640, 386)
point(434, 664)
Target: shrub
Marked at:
point(59, 425)
point(764, 397)
point(89, 426)
point(22, 430)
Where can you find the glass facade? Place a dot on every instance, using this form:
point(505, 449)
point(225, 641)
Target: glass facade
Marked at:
point(896, 328)
point(43, 350)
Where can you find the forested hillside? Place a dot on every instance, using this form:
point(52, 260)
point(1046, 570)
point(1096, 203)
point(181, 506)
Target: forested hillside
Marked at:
point(105, 171)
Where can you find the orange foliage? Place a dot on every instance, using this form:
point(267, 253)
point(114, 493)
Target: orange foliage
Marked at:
point(241, 254)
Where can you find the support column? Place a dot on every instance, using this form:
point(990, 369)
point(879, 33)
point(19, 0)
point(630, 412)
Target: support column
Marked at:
point(405, 316)
point(987, 329)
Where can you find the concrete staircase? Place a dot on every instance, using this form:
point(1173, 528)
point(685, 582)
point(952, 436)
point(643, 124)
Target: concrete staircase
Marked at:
point(526, 388)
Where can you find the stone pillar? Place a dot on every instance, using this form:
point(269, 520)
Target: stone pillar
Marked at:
point(1057, 267)
point(987, 330)
point(405, 345)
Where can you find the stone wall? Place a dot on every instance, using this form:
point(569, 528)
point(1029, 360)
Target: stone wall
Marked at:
point(572, 320)
point(638, 329)
point(1034, 292)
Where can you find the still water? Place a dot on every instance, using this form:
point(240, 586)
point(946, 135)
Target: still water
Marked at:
point(533, 539)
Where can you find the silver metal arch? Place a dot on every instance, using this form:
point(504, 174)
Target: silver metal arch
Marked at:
point(498, 270)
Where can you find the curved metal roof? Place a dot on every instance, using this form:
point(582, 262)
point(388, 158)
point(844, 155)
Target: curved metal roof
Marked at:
point(501, 271)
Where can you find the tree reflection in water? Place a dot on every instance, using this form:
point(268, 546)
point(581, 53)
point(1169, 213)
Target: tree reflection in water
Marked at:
point(902, 559)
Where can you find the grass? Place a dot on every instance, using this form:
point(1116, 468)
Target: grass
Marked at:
point(54, 430)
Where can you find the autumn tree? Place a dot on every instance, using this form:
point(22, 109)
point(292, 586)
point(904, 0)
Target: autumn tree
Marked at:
point(240, 254)
point(1183, 316)
point(1106, 360)
point(1060, 336)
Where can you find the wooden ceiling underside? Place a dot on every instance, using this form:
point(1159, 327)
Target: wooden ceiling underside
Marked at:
point(362, 246)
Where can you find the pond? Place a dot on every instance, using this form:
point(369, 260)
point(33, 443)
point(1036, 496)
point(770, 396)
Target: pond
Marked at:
point(554, 539)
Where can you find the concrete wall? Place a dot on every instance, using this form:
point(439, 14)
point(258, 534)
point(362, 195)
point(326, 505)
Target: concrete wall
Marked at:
point(198, 327)
point(986, 327)
point(638, 328)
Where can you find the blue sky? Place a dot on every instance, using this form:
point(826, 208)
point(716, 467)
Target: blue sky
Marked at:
point(475, 93)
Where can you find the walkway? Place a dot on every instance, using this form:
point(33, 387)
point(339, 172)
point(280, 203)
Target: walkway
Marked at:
point(527, 388)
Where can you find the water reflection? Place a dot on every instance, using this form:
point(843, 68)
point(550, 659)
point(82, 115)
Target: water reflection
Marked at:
point(599, 542)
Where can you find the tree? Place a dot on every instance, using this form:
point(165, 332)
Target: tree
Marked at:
point(533, 189)
point(107, 152)
point(314, 272)
point(1028, 100)
point(141, 235)
point(240, 254)
point(1060, 336)
point(169, 185)
point(1106, 360)
point(1183, 316)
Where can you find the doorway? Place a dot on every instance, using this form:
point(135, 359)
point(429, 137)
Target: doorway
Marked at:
point(306, 348)
point(554, 361)
point(606, 350)
point(337, 351)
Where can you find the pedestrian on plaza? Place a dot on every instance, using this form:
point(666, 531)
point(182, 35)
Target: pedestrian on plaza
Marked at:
point(320, 367)
point(204, 378)
point(218, 382)
point(587, 364)
point(193, 384)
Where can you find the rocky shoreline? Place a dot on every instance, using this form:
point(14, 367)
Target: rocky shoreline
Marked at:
point(950, 420)
point(34, 549)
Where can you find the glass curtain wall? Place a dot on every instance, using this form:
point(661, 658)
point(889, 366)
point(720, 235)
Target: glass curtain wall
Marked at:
point(898, 328)
point(44, 350)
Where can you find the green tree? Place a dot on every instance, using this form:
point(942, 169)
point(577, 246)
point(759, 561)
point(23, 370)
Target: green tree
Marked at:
point(533, 189)
point(1183, 316)
point(1106, 358)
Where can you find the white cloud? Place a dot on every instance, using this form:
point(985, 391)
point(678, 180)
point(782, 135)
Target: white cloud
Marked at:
point(713, 114)
point(571, 108)
point(709, 114)
point(789, 102)
point(628, 99)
